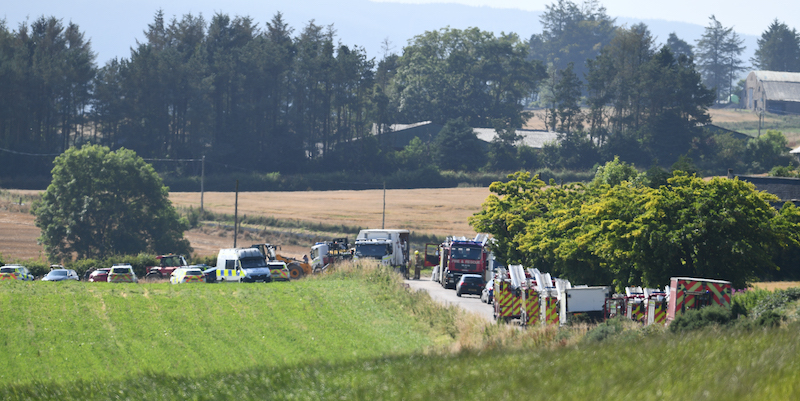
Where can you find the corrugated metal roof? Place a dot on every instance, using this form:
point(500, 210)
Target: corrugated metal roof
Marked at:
point(786, 91)
point(777, 76)
point(534, 139)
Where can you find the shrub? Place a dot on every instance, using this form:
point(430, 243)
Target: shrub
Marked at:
point(776, 300)
point(604, 330)
point(742, 303)
point(699, 318)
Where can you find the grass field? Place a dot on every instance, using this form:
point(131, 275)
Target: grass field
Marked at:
point(355, 335)
point(65, 333)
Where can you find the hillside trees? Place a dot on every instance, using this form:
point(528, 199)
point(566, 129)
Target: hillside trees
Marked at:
point(645, 104)
point(572, 33)
point(717, 54)
point(46, 73)
point(470, 74)
point(630, 234)
point(778, 49)
point(102, 203)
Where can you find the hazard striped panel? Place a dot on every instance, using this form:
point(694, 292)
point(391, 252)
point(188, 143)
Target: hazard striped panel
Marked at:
point(120, 278)
point(532, 303)
point(8, 276)
point(660, 312)
point(636, 311)
point(504, 300)
point(231, 273)
point(551, 310)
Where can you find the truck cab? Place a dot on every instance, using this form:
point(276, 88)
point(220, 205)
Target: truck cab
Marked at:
point(389, 246)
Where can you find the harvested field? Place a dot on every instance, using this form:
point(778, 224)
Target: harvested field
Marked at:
point(432, 211)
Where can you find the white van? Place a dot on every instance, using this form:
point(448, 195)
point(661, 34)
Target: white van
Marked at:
point(242, 265)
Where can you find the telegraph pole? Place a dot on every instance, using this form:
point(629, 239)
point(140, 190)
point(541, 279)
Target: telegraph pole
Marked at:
point(236, 215)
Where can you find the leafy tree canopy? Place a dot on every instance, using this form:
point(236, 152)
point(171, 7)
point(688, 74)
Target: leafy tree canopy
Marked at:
point(458, 148)
point(102, 203)
point(637, 235)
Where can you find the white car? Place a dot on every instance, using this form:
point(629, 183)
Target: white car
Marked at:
point(61, 275)
point(187, 275)
point(122, 273)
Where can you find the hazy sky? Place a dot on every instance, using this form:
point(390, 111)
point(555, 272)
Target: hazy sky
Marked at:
point(114, 26)
point(746, 17)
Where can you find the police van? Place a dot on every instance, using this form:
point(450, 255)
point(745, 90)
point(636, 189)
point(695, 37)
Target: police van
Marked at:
point(242, 265)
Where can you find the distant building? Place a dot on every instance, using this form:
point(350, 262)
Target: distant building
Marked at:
point(400, 135)
point(785, 188)
point(772, 91)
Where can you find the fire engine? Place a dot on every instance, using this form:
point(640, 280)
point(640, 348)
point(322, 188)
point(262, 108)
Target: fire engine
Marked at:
point(458, 256)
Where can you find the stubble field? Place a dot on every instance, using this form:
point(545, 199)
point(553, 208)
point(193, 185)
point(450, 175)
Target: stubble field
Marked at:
point(430, 211)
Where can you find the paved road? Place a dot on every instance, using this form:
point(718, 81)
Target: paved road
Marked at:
point(470, 303)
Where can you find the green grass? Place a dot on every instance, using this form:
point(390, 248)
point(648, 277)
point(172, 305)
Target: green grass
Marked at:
point(355, 334)
point(57, 333)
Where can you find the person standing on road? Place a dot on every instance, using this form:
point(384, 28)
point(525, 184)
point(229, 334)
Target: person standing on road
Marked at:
point(417, 265)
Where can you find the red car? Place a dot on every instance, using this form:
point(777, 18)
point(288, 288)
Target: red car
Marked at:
point(99, 275)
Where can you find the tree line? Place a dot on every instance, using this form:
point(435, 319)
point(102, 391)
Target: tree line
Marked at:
point(632, 229)
point(269, 99)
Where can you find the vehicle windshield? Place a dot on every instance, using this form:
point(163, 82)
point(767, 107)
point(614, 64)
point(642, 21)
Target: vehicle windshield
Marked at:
point(371, 250)
point(170, 261)
point(101, 271)
point(466, 253)
point(194, 273)
point(120, 270)
point(473, 280)
point(56, 273)
point(7, 270)
point(253, 263)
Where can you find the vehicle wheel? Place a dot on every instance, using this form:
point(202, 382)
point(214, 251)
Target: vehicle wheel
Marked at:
point(152, 276)
point(295, 271)
point(458, 293)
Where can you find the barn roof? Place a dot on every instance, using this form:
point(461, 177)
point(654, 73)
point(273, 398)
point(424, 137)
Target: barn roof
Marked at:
point(532, 138)
point(777, 76)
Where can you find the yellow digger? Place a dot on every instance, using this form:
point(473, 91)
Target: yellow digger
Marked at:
point(297, 268)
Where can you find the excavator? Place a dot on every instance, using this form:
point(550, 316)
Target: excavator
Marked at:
point(297, 268)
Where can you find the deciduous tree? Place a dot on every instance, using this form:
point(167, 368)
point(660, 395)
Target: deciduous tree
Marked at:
point(102, 203)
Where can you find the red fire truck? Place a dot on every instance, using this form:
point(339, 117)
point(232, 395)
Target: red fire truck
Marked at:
point(458, 256)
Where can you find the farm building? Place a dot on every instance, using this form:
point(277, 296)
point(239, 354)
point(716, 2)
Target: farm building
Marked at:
point(786, 189)
point(772, 91)
point(401, 134)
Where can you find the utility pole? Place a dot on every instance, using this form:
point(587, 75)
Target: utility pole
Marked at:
point(383, 222)
point(236, 215)
point(202, 181)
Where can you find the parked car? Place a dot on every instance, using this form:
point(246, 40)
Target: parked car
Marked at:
point(191, 274)
point(280, 272)
point(61, 275)
point(15, 272)
point(122, 273)
point(470, 284)
point(99, 275)
point(487, 295)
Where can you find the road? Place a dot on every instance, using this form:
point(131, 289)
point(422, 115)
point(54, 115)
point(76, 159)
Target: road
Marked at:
point(470, 303)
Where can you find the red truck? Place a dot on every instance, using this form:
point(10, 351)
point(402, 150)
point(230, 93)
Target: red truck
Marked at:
point(166, 265)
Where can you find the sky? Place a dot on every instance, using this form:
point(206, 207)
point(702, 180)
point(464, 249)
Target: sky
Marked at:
point(746, 17)
point(114, 26)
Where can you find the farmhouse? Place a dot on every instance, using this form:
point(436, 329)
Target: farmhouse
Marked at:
point(772, 91)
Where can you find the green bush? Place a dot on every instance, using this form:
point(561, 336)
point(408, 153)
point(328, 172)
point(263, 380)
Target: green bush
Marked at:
point(743, 303)
point(699, 318)
point(605, 330)
point(776, 300)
